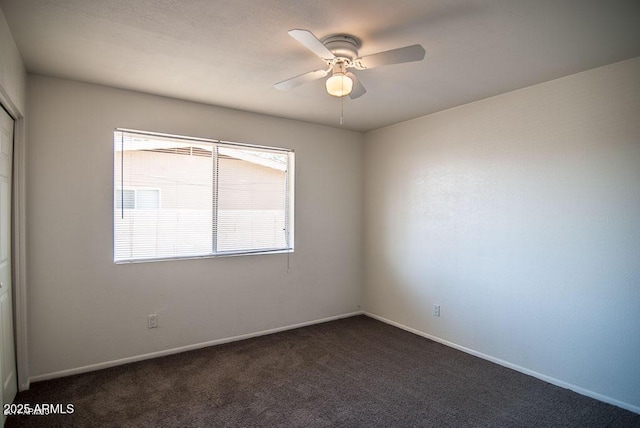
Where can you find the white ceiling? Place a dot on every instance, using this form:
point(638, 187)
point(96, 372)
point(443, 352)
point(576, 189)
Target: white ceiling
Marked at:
point(231, 52)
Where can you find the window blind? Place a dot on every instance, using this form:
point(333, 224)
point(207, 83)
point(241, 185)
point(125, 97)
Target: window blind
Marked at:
point(184, 197)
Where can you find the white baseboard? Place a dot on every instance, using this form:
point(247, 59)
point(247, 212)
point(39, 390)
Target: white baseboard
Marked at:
point(512, 366)
point(121, 361)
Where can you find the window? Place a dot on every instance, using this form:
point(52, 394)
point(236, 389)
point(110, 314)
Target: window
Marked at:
point(137, 199)
point(218, 197)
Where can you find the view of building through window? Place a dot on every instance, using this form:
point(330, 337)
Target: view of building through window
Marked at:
point(185, 197)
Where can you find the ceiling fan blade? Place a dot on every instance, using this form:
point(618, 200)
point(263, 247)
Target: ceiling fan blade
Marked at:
point(301, 79)
point(311, 42)
point(358, 90)
point(394, 56)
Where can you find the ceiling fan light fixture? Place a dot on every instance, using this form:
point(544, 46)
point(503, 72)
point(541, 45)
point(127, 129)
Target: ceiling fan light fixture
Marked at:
point(339, 85)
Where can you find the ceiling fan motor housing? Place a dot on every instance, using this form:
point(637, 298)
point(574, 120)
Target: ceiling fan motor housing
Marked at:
point(343, 46)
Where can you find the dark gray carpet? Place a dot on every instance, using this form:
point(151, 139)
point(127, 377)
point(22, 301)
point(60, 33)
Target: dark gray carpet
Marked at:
point(355, 372)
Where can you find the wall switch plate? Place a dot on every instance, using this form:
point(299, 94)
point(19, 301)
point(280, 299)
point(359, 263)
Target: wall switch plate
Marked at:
point(153, 321)
point(436, 310)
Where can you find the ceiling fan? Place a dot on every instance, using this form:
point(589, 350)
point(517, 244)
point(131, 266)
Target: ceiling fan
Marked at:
point(340, 53)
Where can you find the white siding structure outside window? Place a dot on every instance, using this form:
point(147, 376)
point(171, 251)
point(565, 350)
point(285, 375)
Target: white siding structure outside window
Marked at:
point(181, 197)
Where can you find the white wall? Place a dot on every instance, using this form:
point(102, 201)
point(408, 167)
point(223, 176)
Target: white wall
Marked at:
point(85, 310)
point(12, 74)
point(520, 216)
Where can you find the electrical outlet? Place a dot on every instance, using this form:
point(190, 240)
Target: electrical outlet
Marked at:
point(436, 310)
point(153, 321)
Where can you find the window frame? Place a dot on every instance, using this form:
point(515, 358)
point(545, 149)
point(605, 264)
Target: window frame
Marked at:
point(289, 210)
